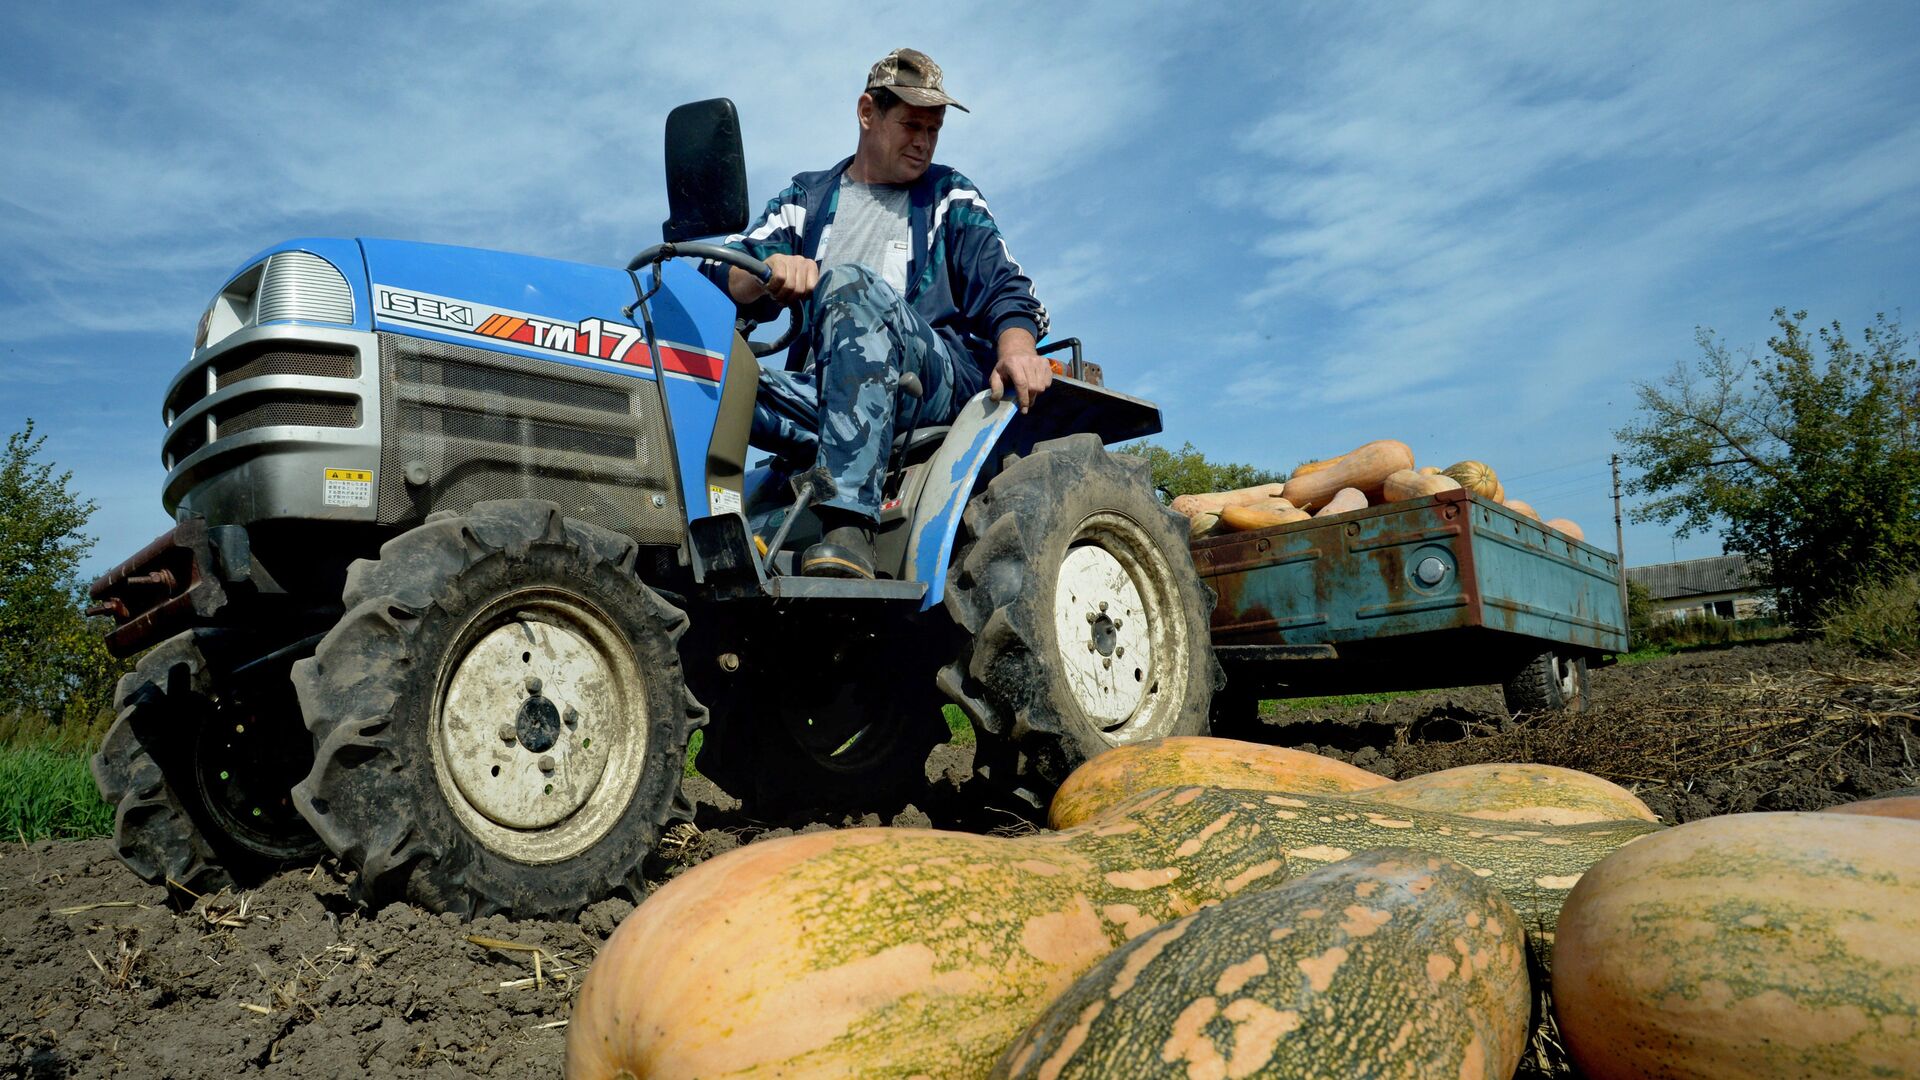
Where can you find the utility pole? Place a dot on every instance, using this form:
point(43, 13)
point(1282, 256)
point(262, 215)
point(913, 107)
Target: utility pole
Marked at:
point(1620, 543)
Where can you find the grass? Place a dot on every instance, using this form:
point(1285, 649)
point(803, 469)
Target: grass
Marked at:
point(47, 792)
point(1880, 619)
point(958, 724)
point(1334, 701)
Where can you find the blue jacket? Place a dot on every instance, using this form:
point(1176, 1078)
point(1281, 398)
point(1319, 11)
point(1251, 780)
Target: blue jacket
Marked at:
point(960, 279)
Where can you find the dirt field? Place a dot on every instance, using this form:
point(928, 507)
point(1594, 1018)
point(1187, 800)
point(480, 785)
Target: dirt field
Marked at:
point(104, 978)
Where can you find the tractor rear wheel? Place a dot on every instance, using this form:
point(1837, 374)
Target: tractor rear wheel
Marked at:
point(500, 719)
point(1084, 617)
point(198, 775)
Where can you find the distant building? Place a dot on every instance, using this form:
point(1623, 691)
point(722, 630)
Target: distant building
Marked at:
point(1720, 586)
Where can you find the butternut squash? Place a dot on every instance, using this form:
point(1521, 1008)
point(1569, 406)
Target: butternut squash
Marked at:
point(1201, 524)
point(1432, 470)
point(1366, 468)
point(1520, 507)
point(1408, 484)
point(1343, 501)
point(1892, 806)
point(896, 952)
point(1758, 946)
point(1537, 794)
point(1125, 772)
point(1476, 476)
point(1568, 527)
point(1214, 501)
point(1243, 518)
point(1514, 792)
point(1393, 962)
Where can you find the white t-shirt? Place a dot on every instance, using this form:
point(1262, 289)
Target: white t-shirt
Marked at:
point(870, 227)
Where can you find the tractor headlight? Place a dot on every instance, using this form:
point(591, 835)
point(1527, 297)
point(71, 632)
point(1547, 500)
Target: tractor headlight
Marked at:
point(294, 285)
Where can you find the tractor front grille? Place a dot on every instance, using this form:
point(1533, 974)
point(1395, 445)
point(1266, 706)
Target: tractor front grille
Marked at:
point(462, 425)
point(311, 410)
point(262, 407)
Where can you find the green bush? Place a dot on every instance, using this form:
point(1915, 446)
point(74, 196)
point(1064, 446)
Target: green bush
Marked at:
point(1880, 619)
point(1695, 631)
point(48, 793)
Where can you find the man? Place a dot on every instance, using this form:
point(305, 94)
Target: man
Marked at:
point(893, 265)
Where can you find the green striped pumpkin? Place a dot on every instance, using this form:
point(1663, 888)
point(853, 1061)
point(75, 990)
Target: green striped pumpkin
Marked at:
point(1757, 946)
point(1394, 962)
point(890, 952)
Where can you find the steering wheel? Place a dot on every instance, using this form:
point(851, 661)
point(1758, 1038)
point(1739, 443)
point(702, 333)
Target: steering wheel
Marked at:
point(730, 257)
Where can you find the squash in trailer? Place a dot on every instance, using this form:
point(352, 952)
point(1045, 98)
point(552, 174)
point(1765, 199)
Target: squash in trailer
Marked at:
point(1391, 963)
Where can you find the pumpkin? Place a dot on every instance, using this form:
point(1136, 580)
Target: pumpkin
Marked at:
point(1366, 468)
point(1407, 484)
point(1432, 470)
point(1539, 794)
point(1520, 507)
point(1475, 476)
point(1343, 501)
point(1214, 501)
point(893, 952)
point(1391, 961)
point(1243, 518)
point(1201, 524)
point(1750, 945)
point(1124, 772)
point(1891, 806)
point(1568, 527)
point(1499, 492)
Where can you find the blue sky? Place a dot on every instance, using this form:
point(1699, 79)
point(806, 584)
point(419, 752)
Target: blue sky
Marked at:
point(1297, 227)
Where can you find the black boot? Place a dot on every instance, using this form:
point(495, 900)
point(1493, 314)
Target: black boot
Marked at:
point(845, 551)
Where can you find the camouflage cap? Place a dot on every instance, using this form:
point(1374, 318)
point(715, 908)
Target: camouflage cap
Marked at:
point(913, 77)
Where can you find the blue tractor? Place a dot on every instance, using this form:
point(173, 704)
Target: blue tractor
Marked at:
point(467, 547)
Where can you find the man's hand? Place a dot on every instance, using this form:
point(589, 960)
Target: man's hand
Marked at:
point(1019, 367)
point(793, 280)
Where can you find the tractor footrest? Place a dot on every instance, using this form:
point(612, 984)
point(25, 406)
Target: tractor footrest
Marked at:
point(826, 588)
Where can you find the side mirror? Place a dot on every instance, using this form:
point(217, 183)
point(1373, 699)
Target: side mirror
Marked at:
point(706, 172)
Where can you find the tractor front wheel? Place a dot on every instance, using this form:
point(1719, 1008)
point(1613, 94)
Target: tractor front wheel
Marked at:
point(500, 719)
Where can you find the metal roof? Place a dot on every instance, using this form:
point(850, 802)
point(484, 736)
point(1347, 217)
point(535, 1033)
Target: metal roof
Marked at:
point(1694, 577)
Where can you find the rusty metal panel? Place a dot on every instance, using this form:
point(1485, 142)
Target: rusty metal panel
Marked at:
point(1403, 568)
point(1440, 563)
point(1540, 583)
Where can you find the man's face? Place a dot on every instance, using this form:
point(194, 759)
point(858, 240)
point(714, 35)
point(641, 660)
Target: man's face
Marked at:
point(899, 141)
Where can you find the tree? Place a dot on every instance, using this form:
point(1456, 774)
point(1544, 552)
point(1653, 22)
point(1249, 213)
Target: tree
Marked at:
point(1187, 471)
point(1808, 456)
point(53, 663)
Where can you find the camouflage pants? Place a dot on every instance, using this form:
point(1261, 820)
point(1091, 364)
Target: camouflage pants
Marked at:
point(843, 410)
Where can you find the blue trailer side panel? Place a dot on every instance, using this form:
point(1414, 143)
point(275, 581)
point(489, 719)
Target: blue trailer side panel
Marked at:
point(1443, 563)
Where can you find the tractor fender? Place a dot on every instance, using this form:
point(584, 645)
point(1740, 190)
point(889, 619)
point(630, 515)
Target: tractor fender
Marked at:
point(951, 476)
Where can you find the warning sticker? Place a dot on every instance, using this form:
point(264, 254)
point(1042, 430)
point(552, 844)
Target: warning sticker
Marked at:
point(722, 500)
point(349, 487)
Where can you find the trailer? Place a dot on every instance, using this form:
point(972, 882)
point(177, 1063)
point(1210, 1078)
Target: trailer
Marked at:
point(1439, 591)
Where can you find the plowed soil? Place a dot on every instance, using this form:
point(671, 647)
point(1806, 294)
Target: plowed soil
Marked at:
point(107, 976)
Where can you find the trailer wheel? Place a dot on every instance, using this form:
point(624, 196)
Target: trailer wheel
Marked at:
point(1085, 618)
point(500, 718)
point(1549, 682)
point(197, 778)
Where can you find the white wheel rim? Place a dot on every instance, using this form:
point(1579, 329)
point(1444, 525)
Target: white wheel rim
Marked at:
point(1110, 635)
point(1568, 673)
point(539, 732)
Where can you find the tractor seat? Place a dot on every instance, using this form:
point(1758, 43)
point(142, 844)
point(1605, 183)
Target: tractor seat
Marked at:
point(911, 446)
